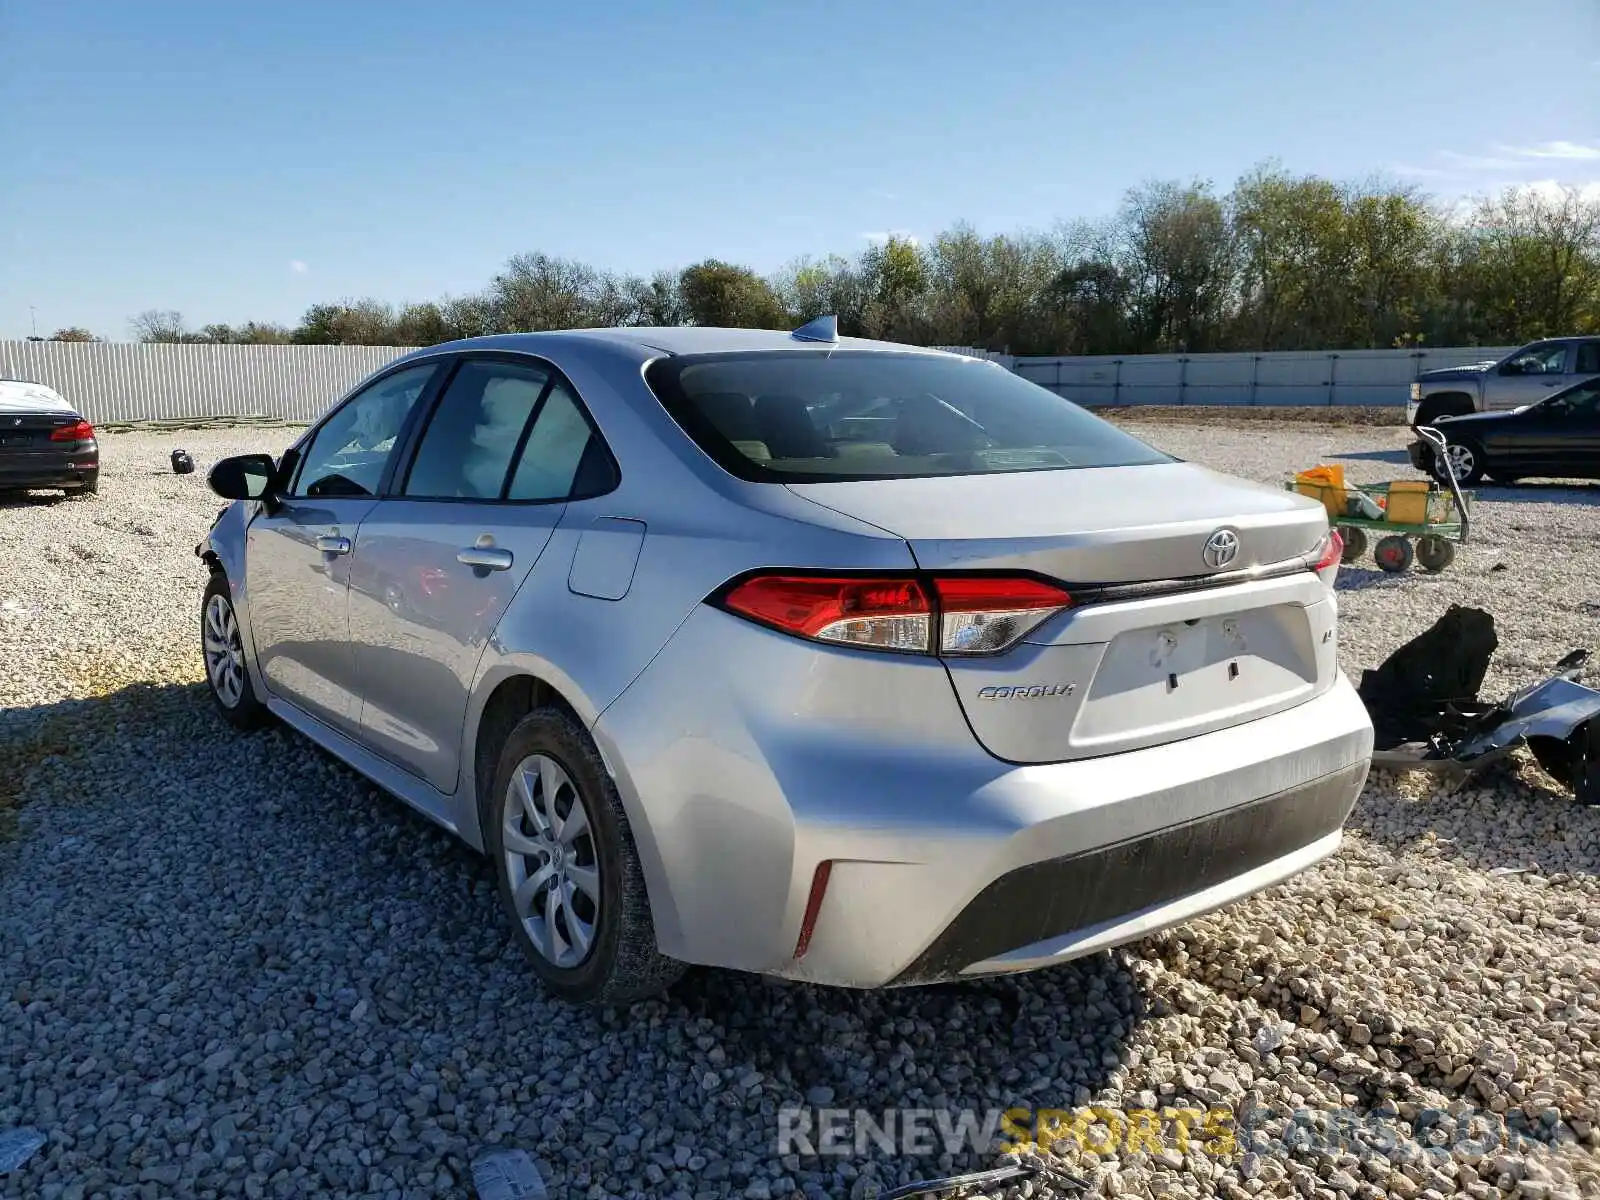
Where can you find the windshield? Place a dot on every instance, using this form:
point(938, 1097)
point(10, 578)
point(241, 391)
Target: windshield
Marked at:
point(818, 416)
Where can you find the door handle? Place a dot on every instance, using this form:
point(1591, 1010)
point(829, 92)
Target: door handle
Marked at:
point(332, 543)
point(485, 558)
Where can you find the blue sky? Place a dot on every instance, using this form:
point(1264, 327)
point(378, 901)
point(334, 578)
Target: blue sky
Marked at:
point(238, 161)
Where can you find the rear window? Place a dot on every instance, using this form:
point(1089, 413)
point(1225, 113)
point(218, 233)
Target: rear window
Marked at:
point(814, 416)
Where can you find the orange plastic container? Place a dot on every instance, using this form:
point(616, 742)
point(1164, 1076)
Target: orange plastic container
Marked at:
point(1326, 484)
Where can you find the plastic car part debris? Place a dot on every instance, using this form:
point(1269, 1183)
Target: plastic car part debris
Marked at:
point(973, 1179)
point(17, 1146)
point(1426, 713)
point(507, 1175)
point(182, 463)
point(1430, 685)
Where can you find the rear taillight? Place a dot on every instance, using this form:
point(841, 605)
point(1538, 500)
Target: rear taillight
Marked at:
point(943, 614)
point(982, 614)
point(886, 614)
point(1325, 559)
point(80, 431)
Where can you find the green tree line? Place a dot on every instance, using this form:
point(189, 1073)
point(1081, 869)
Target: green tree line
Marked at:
point(1279, 262)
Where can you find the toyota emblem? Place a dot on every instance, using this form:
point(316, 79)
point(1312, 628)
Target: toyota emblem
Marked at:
point(1221, 548)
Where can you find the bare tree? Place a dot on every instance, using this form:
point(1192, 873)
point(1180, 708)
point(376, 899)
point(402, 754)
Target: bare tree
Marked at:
point(160, 325)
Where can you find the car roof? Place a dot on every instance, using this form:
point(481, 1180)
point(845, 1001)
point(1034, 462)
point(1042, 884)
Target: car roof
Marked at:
point(23, 395)
point(649, 341)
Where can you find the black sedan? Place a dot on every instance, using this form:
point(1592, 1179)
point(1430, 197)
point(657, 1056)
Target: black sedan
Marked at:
point(44, 441)
point(1558, 438)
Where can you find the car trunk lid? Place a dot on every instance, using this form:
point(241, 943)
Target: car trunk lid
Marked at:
point(1163, 642)
point(28, 432)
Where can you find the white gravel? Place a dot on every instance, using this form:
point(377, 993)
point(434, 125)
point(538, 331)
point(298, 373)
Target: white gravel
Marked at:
point(228, 965)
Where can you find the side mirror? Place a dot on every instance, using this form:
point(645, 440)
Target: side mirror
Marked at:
point(243, 477)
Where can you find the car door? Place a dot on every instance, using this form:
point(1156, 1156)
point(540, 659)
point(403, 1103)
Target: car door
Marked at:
point(1531, 375)
point(298, 548)
point(1577, 453)
point(440, 557)
point(1560, 438)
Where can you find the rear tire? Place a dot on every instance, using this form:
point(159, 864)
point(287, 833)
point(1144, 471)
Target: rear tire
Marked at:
point(567, 867)
point(222, 648)
point(1393, 553)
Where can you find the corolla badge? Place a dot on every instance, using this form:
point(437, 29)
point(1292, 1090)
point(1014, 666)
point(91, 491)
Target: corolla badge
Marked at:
point(1221, 548)
point(1027, 691)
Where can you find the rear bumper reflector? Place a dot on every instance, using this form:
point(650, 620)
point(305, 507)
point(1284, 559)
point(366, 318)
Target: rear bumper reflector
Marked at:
point(808, 924)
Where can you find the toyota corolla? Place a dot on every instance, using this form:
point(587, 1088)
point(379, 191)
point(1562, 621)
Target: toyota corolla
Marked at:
point(831, 659)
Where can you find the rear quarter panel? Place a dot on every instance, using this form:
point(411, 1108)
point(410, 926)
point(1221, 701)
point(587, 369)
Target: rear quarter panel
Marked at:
point(694, 526)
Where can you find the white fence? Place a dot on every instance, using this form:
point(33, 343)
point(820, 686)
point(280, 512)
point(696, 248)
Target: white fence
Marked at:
point(132, 381)
point(1299, 378)
point(137, 381)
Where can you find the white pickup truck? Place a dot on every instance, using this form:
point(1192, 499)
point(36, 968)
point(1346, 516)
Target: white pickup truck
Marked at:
point(1523, 377)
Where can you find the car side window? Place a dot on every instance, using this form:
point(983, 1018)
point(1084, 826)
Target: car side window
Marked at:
point(1588, 359)
point(347, 455)
point(1582, 400)
point(1545, 359)
point(562, 456)
point(474, 431)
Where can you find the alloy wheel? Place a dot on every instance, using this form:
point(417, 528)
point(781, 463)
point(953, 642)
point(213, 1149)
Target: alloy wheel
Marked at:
point(551, 861)
point(1462, 460)
point(224, 651)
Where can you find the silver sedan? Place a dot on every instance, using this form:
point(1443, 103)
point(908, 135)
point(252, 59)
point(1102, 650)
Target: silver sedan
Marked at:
point(831, 659)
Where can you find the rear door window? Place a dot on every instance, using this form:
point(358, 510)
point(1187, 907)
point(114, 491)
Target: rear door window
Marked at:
point(818, 416)
point(548, 467)
point(474, 432)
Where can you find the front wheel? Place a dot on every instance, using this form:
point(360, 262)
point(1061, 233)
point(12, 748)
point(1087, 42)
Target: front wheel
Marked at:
point(223, 647)
point(1466, 461)
point(568, 869)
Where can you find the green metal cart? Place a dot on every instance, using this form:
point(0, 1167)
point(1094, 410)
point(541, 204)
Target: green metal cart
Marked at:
point(1446, 520)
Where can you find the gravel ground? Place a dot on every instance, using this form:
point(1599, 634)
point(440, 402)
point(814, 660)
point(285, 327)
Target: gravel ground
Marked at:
point(228, 965)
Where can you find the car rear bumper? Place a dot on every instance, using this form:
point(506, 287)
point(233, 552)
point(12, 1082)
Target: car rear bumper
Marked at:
point(70, 467)
point(942, 861)
point(1058, 887)
point(1051, 911)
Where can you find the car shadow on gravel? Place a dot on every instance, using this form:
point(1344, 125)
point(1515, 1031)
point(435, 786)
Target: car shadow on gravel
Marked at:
point(50, 737)
point(31, 499)
point(1394, 457)
point(1584, 495)
point(268, 930)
